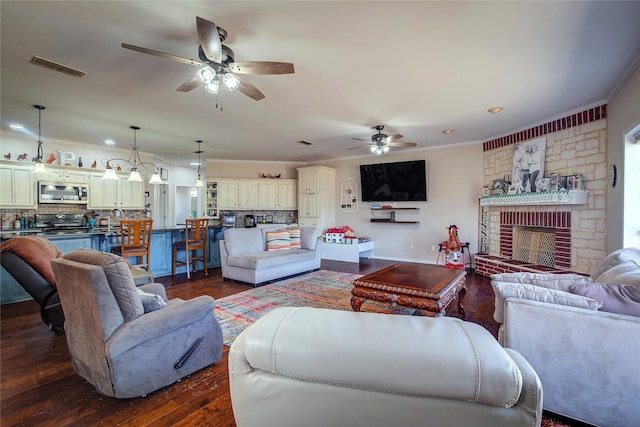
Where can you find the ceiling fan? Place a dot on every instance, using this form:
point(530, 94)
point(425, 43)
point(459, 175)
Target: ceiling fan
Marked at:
point(380, 143)
point(217, 62)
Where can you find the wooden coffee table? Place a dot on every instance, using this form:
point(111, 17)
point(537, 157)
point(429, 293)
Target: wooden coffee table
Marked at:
point(425, 287)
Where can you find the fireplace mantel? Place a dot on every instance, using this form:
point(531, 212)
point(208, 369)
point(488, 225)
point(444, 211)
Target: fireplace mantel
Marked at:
point(571, 197)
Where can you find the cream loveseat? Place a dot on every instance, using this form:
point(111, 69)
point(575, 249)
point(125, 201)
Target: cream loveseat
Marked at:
point(317, 367)
point(244, 255)
point(581, 335)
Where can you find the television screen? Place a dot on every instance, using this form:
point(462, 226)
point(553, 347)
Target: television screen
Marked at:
point(400, 181)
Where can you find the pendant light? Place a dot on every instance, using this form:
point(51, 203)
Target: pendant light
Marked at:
point(135, 161)
point(199, 182)
point(39, 169)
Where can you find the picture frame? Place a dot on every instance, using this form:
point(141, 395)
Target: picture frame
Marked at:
point(497, 185)
point(528, 165)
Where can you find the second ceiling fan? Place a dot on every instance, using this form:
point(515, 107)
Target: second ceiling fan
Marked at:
point(380, 143)
point(218, 63)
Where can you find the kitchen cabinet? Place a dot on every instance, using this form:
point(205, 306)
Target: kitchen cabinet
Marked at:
point(17, 187)
point(277, 194)
point(247, 194)
point(316, 197)
point(66, 175)
point(309, 179)
point(287, 194)
point(251, 194)
point(227, 194)
point(110, 194)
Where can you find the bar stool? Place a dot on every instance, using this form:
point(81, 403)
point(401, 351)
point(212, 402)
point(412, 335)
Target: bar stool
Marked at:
point(135, 240)
point(195, 239)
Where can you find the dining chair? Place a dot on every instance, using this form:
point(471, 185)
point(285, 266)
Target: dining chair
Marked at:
point(135, 240)
point(195, 239)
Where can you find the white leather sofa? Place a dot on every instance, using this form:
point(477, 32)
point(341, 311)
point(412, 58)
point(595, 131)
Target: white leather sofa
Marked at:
point(244, 256)
point(318, 367)
point(587, 358)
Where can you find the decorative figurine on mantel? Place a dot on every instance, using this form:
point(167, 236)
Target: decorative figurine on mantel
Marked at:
point(22, 157)
point(7, 156)
point(79, 162)
point(52, 158)
point(94, 164)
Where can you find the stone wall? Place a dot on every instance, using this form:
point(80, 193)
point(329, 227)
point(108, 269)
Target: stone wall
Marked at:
point(578, 145)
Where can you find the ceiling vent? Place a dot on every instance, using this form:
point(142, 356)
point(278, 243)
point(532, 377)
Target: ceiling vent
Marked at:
point(57, 67)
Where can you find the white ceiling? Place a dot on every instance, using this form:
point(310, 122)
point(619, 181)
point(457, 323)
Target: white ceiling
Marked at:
point(416, 67)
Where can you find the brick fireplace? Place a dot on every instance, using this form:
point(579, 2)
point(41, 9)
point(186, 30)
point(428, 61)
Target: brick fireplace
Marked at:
point(575, 144)
point(557, 222)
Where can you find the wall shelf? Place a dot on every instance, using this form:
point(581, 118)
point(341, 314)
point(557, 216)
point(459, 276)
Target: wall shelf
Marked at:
point(571, 197)
point(391, 218)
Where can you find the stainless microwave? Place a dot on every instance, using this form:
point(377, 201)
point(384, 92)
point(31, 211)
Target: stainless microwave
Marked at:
point(57, 192)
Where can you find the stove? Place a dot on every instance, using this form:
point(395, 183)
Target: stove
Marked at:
point(61, 222)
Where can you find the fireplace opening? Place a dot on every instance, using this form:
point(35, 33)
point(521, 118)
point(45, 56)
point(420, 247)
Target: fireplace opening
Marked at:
point(535, 245)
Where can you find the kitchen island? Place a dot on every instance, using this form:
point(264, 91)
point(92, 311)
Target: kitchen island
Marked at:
point(104, 239)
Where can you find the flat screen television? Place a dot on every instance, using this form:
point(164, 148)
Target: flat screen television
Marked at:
point(394, 182)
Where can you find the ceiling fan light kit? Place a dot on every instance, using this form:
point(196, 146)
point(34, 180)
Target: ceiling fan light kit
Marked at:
point(381, 143)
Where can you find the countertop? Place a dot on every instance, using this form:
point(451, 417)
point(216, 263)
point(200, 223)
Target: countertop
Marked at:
point(96, 231)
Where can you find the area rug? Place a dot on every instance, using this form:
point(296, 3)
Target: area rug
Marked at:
point(322, 289)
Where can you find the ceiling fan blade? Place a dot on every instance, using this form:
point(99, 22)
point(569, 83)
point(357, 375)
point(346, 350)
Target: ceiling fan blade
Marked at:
point(161, 54)
point(250, 90)
point(392, 138)
point(358, 147)
point(362, 139)
point(261, 67)
point(209, 39)
point(402, 144)
point(190, 85)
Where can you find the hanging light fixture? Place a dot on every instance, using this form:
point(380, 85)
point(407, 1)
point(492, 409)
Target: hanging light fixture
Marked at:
point(134, 175)
point(39, 169)
point(199, 182)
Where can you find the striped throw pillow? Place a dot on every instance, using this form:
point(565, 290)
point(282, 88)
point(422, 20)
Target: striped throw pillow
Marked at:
point(277, 240)
point(294, 241)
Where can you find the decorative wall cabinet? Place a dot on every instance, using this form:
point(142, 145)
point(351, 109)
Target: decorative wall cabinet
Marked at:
point(227, 194)
point(349, 195)
point(17, 187)
point(316, 197)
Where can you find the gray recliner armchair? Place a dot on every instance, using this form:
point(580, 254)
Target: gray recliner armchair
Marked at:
point(116, 342)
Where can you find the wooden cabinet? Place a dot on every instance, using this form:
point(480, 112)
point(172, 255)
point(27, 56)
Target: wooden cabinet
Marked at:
point(309, 179)
point(251, 194)
point(111, 194)
point(268, 195)
point(247, 195)
point(287, 194)
point(277, 194)
point(62, 174)
point(227, 194)
point(17, 187)
point(316, 197)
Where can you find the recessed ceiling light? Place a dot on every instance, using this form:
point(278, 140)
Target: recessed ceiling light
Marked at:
point(447, 131)
point(195, 164)
point(494, 110)
point(16, 126)
point(110, 142)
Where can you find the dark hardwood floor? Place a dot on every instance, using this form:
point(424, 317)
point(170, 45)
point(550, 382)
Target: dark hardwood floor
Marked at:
point(39, 387)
